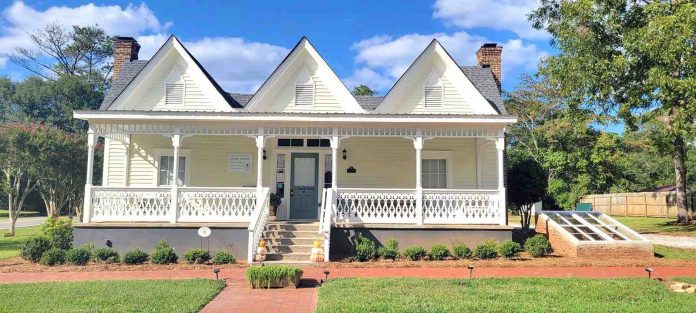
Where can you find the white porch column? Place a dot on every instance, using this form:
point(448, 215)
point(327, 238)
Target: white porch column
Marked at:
point(87, 205)
point(260, 142)
point(334, 162)
point(418, 144)
point(500, 146)
point(176, 143)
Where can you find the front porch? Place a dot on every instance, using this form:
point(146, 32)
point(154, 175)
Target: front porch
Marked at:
point(334, 175)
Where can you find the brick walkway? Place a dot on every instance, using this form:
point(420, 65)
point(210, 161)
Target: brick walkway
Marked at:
point(237, 297)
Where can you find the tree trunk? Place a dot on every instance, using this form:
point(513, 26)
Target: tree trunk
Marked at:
point(680, 171)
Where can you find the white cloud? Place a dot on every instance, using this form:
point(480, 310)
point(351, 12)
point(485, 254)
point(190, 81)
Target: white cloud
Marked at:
point(510, 15)
point(384, 59)
point(236, 64)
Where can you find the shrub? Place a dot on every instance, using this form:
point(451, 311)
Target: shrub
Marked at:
point(461, 251)
point(78, 256)
point(365, 249)
point(52, 257)
point(267, 276)
point(59, 231)
point(390, 250)
point(106, 255)
point(163, 254)
point(439, 252)
point(197, 256)
point(34, 248)
point(135, 257)
point(223, 257)
point(415, 253)
point(538, 246)
point(509, 249)
point(486, 250)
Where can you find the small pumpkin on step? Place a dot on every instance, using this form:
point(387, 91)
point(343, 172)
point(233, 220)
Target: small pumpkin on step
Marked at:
point(261, 251)
point(317, 252)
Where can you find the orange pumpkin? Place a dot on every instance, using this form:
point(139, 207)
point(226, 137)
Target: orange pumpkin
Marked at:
point(317, 243)
point(316, 258)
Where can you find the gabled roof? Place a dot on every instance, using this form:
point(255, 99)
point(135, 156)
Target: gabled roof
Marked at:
point(431, 49)
point(133, 70)
point(333, 83)
point(483, 80)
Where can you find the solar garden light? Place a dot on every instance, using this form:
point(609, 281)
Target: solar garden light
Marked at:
point(649, 270)
point(470, 267)
point(216, 271)
point(326, 276)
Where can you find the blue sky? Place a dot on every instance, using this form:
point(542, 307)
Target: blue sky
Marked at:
point(240, 43)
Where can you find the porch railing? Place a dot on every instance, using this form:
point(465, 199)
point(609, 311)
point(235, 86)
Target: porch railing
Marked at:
point(399, 206)
point(153, 204)
point(259, 218)
point(326, 214)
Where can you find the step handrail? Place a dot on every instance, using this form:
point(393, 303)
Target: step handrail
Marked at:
point(257, 223)
point(327, 208)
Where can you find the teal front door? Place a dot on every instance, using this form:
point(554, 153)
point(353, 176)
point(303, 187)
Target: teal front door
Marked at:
point(304, 191)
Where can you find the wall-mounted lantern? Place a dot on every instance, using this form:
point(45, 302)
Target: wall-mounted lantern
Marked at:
point(264, 154)
point(345, 154)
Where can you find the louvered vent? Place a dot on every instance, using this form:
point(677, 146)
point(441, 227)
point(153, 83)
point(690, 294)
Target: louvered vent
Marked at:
point(433, 96)
point(304, 94)
point(174, 93)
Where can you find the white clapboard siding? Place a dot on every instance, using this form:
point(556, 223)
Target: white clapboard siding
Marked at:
point(115, 156)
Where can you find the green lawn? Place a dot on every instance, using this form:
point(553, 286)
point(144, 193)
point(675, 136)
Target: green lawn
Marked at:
point(110, 296)
point(5, 214)
point(674, 253)
point(9, 246)
point(657, 225)
point(500, 295)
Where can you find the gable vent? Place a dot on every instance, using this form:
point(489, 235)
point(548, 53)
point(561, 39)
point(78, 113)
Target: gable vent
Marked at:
point(434, 96)
point(174, 93)
point(304, 94)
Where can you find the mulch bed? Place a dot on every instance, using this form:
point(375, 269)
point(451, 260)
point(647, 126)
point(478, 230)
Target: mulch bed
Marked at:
point(17, 264)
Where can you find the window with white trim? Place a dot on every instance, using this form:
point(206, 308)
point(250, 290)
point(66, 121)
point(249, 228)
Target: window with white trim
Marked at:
point(174, 89)
point(165, 175)
point(304, 89)
point(434, 173)
point(433, 91)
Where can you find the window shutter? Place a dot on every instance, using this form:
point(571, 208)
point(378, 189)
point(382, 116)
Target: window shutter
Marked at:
point(304, 94)
point(174, 93)
point(433, 95)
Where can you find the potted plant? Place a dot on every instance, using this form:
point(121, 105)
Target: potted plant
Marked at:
point(274, 202)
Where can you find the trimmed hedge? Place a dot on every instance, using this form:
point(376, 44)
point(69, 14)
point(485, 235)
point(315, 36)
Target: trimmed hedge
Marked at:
point(134, 257)
point(390, 250)
point(52, 257)
point(461, 251)
point(34, 248)
point(78, 256)
point(223, 257)
point(486, 250)
point(509, 249)
point(268, 276)
point(365, 249)
point(106, 255)
point(163, 254)
point(415, 253)
point(538, 246)
point(439, 252)
point(59, 231)
point(197, 256)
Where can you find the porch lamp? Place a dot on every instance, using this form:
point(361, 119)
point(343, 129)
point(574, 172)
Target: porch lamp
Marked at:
point(470, 267)
point(649, 270)
point(345, 154)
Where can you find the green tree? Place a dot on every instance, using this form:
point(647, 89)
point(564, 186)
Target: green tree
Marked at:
point(18, 166)
point(527, 183)
point(632, 59)
point(364, 90)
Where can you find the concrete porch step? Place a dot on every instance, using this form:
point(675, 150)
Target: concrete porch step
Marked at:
point(294, 256)
point(289, 249)
point(288, 234)
point(289, 241)
point(293, 226)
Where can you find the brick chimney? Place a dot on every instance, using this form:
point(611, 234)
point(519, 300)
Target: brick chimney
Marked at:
point(125, 50)
point(490, 55)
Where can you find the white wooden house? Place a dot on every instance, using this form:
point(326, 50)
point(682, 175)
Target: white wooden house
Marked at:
point(423, 164)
